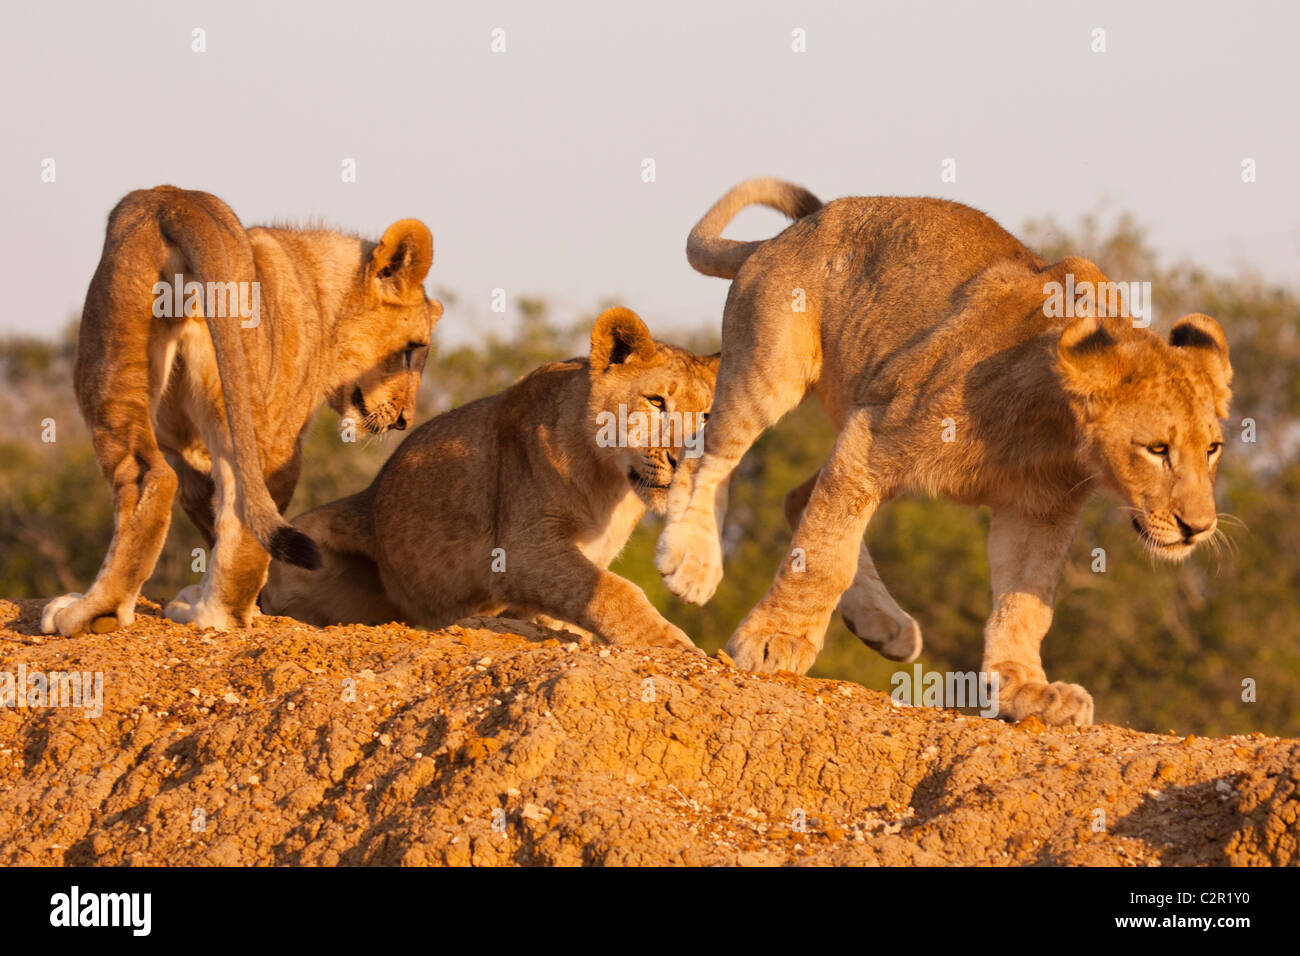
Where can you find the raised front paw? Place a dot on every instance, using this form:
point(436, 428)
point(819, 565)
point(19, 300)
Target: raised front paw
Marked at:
point(760, 644)
point(1056, 703)
point(689, 557)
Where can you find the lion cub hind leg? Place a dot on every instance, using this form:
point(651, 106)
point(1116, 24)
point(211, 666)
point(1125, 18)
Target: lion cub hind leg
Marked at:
point(1026, 556)
point(868, 609)
point(871, 613)
point(347, 588)
point(785, 630)
point(236, 570)
point(766, 369)
point(143, 487)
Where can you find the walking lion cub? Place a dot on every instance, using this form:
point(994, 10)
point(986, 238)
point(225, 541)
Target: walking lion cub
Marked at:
point(518, 501)
point(925, 331)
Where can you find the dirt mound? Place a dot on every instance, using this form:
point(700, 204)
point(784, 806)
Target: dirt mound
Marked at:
point(503, 743)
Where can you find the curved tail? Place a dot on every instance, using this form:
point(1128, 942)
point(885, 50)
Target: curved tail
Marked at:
point(709, 253)
point(216, 248)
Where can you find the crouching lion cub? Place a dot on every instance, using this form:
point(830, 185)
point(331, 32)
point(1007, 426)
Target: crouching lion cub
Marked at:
point(204, 351)
point(931, 339)
point(518, 501)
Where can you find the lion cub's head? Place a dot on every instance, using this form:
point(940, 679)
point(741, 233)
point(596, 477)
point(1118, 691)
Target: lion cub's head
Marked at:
point(647, 404)
point(384, 342)
point(1150, 413)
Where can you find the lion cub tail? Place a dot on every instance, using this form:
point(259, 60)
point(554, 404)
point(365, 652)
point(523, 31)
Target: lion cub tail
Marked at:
point(216, 248)
point(709, 253)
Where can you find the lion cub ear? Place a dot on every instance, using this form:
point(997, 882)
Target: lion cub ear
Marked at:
point(1088, 356)
point(400, 262)
point(1202, 333)
point(619, 335)
point(711, 362)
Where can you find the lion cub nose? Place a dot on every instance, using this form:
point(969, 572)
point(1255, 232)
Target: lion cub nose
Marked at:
point(400, 424)
point(1191, 531)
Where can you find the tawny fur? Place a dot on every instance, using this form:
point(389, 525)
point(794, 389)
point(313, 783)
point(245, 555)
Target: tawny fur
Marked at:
point(924, 319)
point(216, 410)
point(510, 502)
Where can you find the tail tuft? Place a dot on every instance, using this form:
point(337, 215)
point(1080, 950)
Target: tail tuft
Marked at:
point(291, 545)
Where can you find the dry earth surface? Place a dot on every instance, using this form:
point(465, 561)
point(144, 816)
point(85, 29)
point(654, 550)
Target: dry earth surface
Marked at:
point(504, 743)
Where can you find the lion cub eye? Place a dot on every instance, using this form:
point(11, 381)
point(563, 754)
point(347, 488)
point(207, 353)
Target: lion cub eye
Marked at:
point(656, 401)
point(409, 355)
point(1159, 449)
point(1215, 448)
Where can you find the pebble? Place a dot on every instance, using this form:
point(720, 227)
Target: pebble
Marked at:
point(532, 811)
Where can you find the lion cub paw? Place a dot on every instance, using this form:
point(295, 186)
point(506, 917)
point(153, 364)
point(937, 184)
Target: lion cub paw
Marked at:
point(897, 640)
point(72, 614)
point(689, 557)
point(188, 607)
point(62, 616)
point(1057, 703)
point(671, 637)
point(759, 646)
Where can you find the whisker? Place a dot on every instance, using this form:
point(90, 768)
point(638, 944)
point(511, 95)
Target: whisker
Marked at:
point(1234, 520)
point(1080, 483)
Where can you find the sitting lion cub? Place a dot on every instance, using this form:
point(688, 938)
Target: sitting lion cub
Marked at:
point(933, 340)
point(518, 501)
point(205, 349)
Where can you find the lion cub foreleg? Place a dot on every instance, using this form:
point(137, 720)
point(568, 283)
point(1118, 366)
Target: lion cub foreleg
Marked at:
point(568, 586)
point(757, 385)
point(1026, 556)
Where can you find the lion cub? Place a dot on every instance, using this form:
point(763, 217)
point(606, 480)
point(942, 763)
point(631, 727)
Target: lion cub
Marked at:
point(518, 501)
point(928, 333)
point(205, 349)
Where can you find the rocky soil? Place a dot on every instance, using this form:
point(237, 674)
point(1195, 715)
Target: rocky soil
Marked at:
point(499, 742)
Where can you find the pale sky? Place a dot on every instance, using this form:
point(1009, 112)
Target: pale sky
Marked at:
point(527, 164)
